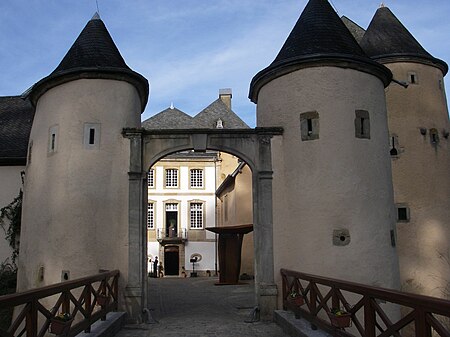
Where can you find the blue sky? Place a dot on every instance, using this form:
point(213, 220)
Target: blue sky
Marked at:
point(188, 49)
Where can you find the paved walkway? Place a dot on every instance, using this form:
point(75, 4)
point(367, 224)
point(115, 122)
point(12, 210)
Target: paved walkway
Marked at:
point(195, 307)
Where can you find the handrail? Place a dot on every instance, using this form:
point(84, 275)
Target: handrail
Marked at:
point(419, 314)
point(98, 295)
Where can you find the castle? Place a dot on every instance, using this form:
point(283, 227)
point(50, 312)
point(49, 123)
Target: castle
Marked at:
point(350, 161)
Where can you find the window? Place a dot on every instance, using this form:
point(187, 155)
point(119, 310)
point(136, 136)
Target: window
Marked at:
point(171, 178)
point(402, 213)
point(309, 125)
point(151, 215)
point(434, 136)
point(196, 178)
point(91, 136)
point(412, 77)
point(196, 215)
point(151, 178)
point(362, 124)
point(53, 139)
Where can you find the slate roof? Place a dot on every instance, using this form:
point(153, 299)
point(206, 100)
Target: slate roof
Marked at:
point(207, 118)
point(93, 55)
point(318, 38)
point(356, 30)
point(170, 118)
point(173, 118)
point(387, 38)
point(16, 117)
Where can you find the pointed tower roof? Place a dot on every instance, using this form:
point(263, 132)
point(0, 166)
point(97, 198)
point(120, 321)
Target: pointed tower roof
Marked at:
point(93, 55)
point(319, 38)
point(386, 39)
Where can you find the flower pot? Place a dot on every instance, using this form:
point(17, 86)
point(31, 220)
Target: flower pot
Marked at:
point(102, 300)
point(298, 300)
point(340, 321)
point(60, 327)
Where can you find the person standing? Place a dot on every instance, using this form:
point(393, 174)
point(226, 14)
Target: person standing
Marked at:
point(155, 267)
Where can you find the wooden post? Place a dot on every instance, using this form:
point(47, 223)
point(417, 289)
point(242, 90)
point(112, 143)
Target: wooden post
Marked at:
point(88, 305)
point(31, 320)
point(423, 329)
point(369, 317)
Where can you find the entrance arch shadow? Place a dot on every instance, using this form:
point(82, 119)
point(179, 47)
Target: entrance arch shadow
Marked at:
point(251, 145)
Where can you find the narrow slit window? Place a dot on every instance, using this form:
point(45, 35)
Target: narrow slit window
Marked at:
point(53, 139)
point(394, 146)
point(309, 125)
point(91, 136)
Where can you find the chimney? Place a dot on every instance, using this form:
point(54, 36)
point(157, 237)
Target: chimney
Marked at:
point(225, 95)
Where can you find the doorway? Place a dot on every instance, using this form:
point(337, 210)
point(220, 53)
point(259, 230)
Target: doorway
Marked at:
point(171, 260)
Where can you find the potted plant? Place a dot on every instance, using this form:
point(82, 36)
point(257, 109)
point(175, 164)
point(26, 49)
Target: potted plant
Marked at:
point(340, 318)
point(60, 325)
point(296, 298)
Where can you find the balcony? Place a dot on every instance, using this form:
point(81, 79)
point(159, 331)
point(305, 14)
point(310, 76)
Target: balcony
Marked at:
point(169, 237)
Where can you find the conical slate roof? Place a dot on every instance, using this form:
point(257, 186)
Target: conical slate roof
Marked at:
point(320, 38)
point(207, 118)
point(387, 39)
point(16, 117)
point(93, 55)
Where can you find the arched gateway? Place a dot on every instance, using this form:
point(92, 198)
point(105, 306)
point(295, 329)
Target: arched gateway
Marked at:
point(251, 145)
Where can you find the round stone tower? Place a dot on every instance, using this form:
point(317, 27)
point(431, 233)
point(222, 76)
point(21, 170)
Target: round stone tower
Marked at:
point(419, 147)
point(333, 209)
point(75, 208)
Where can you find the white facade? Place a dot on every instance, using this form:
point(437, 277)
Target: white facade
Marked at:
point(182, 203)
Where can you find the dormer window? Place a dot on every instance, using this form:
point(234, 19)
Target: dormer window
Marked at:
point(219, 124)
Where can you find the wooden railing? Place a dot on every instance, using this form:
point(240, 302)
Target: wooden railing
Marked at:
point(86, 300)
point(373, 312)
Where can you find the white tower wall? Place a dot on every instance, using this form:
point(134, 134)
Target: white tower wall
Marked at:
point(75, 214)
point(335, 182)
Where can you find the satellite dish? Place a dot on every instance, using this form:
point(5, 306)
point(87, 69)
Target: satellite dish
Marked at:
point(196, 255)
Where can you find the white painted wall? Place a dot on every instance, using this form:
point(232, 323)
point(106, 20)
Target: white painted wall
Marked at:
point(76, 200)
point(10, 183)
point(335, 182)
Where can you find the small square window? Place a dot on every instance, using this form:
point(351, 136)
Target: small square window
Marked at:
point(309, 125)
point(402, 213)
point(362, 124)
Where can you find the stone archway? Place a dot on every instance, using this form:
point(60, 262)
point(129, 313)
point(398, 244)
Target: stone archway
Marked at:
point(251, 145)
